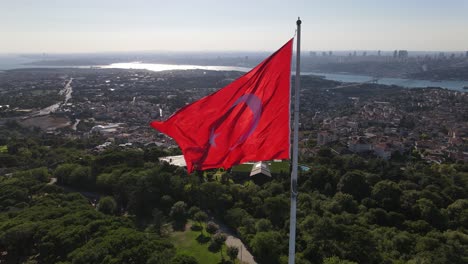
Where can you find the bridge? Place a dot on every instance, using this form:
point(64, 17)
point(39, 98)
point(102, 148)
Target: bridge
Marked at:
point(373, 80)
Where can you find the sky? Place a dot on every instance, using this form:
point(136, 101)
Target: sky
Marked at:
point(71, 26)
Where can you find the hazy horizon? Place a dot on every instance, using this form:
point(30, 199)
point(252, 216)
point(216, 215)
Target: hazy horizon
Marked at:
point(219, 26)
point(37, 55)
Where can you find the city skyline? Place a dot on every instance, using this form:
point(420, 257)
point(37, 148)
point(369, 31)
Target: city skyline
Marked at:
point(123, 26)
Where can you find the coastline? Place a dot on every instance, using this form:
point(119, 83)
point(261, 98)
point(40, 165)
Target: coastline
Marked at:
point(456, 85)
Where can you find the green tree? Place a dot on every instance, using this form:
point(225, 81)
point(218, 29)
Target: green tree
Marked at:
point(193, 210)
point(121, 245)
point(18, 240)
point(263, 225)
point(179, 214)
point(184, 259)
point(7, 160)
point(217, 242)
point(235, 216)
point(81, 177)
point(63, 171)
point(200, 217)
point(232, 252)
point(354, 183)
point(158, 220)
point(107, 205)
point(166, 202)
point(337, 260)
point(40, 174)
point(387, 194)
point(342, 202)
point(215, 196)
point(458, 213)
point(212, 228)
point(430, 213)
point(267, 247)
point(275, 208)
point(165, 256)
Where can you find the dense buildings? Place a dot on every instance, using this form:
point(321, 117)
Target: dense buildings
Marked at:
point(119, 104)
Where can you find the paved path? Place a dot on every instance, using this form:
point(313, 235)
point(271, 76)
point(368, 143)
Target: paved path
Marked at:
point(244, 255)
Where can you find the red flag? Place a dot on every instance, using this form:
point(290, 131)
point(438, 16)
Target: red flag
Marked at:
point(248, 120)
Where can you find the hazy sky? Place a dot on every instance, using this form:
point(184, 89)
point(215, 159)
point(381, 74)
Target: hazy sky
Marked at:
point(235, 25)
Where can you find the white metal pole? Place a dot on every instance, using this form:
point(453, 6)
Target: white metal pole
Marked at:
point(292, 221)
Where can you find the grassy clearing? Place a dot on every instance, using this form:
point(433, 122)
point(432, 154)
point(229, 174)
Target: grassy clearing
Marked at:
point(194, 244)
point(278, 167)
point(3, 149)
point(242, 168)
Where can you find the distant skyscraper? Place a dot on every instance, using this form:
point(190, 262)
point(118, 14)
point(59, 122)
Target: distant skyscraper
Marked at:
point(402, 54)
point(354, 54)
point(313, 53)
point(364, 53)
point(466, 54)
point(330, 53)
point(379, 53)
point(395, 54)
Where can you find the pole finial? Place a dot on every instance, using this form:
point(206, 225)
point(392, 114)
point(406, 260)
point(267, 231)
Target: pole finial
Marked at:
point(298, 22)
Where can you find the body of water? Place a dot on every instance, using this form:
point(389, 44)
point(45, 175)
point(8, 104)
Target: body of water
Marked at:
point(169, 67)
point(8, 62)
point(408, 83)
point(350, 78)
point(11, 62)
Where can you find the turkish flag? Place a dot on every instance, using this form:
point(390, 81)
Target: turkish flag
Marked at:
point(248, 120)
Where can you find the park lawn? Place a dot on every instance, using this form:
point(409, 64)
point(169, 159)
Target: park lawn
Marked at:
point(186, 243)
point(242, 168)
point(278, 167)
point(3, 149)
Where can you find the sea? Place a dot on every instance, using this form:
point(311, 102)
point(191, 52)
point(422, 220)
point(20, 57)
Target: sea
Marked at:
point(348, 78)
point(8, 62)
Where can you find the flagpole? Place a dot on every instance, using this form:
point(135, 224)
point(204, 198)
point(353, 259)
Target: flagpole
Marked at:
point(292, 220)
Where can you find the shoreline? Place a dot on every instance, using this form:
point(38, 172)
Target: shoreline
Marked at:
point(345, 77)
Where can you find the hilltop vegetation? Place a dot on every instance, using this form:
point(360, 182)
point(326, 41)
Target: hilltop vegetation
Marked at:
point(41, 224)
point(349, 208)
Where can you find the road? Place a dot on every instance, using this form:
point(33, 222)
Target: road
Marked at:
point(67, 91)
